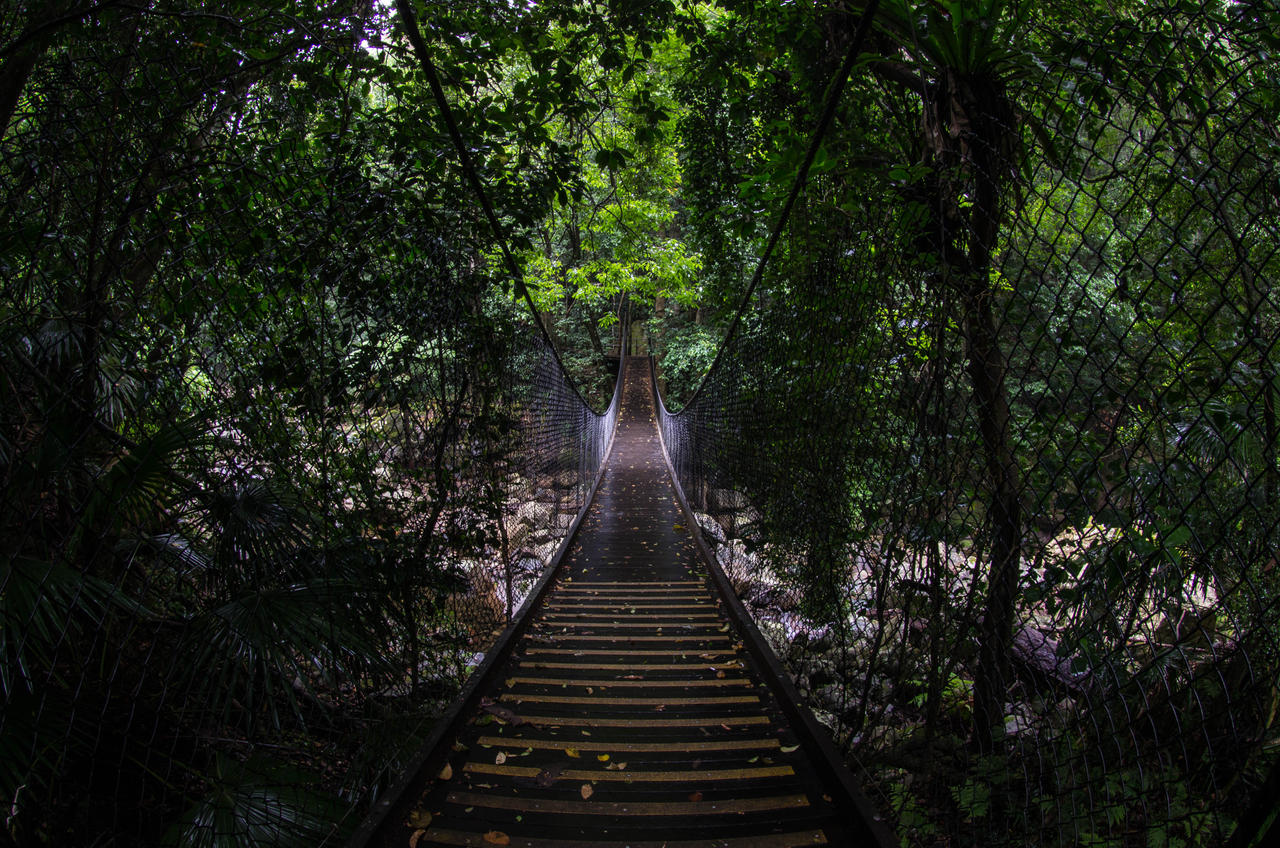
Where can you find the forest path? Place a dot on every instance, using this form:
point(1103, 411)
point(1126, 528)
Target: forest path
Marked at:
point(630, 713)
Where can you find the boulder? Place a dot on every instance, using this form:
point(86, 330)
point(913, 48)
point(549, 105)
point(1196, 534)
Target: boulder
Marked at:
point(536, 514)
point(710, 528)
point(1037, 655)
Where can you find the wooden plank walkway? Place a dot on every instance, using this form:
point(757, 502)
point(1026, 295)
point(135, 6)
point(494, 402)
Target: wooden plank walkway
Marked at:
point(630, 713)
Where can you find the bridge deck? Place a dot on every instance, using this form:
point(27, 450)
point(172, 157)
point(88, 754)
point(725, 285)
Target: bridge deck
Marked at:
point(630, 713)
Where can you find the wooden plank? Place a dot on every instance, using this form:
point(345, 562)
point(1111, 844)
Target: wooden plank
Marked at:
point(586, 637)
point(632, 684)
point(614, 606)
point(468, 839)
point(626, 652)
point(691, 776)
point(731, 806)
point(575, 583)
point(650, 598)
point(629, 747)
point(645, 625)
point(649, 620)
point(696, 666)
point(712, 721)
point(597, 700)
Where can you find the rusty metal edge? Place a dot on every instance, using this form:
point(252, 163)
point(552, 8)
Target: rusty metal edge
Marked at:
point(861, 817)
point(431, 756)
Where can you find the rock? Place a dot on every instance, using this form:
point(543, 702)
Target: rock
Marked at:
point(724, 500)
point(517, 531)
point(735, 559)
point(546, 550)
point(769, 597)
point(773, 632)
point(527, 565)
point(1018, 720)
point(535, 514)
point(710, 527)
point(830, 697)
point(1036, 654)
point(821, 676)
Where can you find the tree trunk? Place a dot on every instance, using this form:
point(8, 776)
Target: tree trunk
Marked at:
point(986, 372)
point(968, 121)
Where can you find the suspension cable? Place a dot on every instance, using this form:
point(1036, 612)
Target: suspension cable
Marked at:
point(834, 93)
point(404, 7)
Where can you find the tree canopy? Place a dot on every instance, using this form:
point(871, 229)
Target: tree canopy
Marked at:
point(281, 444)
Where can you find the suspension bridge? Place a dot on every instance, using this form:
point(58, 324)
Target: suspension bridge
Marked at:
point(960, 529)
point(632, 701)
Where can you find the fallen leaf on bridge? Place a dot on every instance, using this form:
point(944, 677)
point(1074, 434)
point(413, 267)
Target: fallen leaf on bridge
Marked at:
point(549, 775)
point(497, 837)
point(503, 714)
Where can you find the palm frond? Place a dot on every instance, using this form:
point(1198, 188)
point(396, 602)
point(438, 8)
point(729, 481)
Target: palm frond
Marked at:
point(265, 647)
point(43, 607)
point(256, 804)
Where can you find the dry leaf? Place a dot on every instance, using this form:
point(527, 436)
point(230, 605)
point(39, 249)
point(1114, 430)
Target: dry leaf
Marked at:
point(572, 752)
point(787, 749)
point(497, 837)
point(720, 675)
point(419, 818)
point(446, 773)
point(503, 714)
point(616, 766)
point(500, 759)
point(586, 791)
point(604, 758)
point(416, 838)
point(695, 796)
point(549, 775)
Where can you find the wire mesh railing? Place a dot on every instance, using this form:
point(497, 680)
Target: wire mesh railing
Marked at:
point(278, 457)
point(992, 453)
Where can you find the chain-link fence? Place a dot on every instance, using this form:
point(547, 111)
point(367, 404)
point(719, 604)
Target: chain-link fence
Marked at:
point(278, 459)
point(992, 454)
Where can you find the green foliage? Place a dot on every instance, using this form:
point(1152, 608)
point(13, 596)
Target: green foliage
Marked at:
point(260, 380)
point(684, 353)
point(256, 803)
